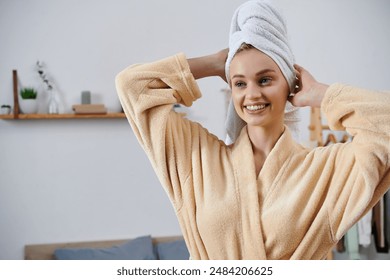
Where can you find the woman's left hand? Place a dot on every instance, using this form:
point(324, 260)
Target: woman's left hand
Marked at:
point(308, 92)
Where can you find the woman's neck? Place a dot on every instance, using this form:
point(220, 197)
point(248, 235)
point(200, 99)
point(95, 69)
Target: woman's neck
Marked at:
point(263, 140)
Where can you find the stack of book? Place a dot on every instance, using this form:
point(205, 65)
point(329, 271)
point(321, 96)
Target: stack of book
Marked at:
point(89, 109)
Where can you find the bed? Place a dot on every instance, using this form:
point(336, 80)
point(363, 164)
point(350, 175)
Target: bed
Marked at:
point(140, 248)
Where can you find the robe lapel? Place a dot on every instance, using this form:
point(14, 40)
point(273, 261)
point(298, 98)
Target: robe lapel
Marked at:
point(253, 191)
point(276, 161)
point(246, 186)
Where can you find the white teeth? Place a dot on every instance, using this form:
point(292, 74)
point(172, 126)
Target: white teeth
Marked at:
point(255, 107)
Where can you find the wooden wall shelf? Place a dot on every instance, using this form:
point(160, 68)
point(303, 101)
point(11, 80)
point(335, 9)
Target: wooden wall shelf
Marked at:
point(7, 117)
point(18, 116)
point(62, 116)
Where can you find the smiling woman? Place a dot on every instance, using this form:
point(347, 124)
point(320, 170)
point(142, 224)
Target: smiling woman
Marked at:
point(264, 196)
point(259, 92)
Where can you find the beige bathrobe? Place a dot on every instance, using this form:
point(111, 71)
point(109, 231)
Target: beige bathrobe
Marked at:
point(302, 202)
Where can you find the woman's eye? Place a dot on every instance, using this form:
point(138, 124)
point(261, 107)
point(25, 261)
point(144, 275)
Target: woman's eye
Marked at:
point(264, 81)
point(239, 84)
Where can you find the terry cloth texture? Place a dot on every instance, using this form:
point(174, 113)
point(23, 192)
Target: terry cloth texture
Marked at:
point(302, 202)
point(261, 25)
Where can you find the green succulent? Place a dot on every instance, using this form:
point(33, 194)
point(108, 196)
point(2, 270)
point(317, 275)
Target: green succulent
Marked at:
point(28, 93)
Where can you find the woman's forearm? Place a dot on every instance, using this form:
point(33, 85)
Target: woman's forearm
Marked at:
point(209, 65)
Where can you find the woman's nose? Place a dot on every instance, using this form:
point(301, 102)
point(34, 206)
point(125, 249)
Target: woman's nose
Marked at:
point(254, 91)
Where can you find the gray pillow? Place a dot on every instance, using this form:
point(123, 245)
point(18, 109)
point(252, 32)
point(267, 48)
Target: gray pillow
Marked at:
point(140, 248)
point(175, 250)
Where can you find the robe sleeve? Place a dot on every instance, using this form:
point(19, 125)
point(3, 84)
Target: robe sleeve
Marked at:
point(361, 172)
point(147, 93)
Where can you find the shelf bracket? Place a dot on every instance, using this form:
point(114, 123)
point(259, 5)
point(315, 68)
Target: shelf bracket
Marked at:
point(16, 99)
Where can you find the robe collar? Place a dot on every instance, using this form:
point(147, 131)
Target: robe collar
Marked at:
point(252, 189)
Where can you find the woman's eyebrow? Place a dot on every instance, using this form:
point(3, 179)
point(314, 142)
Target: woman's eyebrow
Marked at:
point(237, 76)
point(261, 72)
point(264, 71)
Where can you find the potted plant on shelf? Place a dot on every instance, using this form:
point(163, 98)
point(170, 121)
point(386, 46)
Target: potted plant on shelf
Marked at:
point(28, 102)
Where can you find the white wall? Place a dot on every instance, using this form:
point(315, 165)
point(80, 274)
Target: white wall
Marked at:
point(75, 180)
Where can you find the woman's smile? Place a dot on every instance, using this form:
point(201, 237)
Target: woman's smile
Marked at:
point(256, 108)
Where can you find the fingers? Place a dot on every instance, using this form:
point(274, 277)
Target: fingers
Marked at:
point(295, 97)
point(300, 71)
point(298, 81)
point(304, 76)
point(298, 67)
point(298, 74)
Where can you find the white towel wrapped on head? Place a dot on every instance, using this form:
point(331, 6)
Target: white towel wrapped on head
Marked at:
point(261, 25)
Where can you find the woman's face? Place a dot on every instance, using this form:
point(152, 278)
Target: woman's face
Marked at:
point(259, 89)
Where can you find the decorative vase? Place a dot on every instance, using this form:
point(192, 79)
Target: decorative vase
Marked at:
point(28, 106)
point(5, 110)
point(52, 105)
